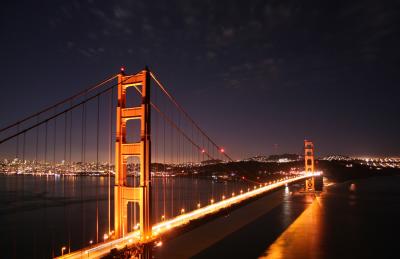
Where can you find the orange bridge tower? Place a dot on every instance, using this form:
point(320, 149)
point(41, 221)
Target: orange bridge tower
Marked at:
point(309, 164)
point(124, 194)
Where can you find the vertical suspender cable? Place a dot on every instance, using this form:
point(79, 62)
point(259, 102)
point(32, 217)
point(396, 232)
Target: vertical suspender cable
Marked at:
point(156, 169)
point(37, 145)
point(54, 141)
point(54, 173)
point(45, 170)
point(110, 159)
point(70, 171)
point(81, 180)
point(97, 168)
point(64, 178)
point(173, 166)
point(165, 170)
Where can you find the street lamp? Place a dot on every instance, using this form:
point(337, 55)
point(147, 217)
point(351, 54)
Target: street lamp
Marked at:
point(62, 250)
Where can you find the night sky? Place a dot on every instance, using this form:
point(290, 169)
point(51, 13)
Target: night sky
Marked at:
point(251, 73)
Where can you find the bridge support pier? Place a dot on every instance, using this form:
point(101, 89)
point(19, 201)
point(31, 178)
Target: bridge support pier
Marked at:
point(124, 194)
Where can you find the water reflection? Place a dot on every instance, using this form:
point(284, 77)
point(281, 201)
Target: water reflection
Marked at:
point(287, 207)
point(300, 238)
point(45, 213)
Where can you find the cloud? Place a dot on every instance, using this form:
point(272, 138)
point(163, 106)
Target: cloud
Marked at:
point(85, 53)
point(228, 32)
point(190, 20)
point(70, 44)
point(268, 61)
point(121, 13)
point(147, 27)
point(112, 22)
point(210, 55)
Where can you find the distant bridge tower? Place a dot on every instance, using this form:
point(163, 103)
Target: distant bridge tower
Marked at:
point(123, 194)
point(309, 164)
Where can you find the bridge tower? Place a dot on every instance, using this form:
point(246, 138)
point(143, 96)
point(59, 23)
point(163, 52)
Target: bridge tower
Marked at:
point(124, 194)
point(309, 164)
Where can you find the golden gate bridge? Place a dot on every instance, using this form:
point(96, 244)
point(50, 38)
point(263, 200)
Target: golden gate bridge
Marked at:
point(115, 130)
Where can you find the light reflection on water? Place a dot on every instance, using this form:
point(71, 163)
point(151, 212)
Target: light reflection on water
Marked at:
point(299, 238)
point(356, 219)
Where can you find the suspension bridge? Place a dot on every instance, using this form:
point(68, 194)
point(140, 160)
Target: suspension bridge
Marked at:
point(136, 149)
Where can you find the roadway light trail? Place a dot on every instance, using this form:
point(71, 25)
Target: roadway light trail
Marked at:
point(104, 248)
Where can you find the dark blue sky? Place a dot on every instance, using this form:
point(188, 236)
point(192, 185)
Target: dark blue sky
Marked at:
point(251, 73)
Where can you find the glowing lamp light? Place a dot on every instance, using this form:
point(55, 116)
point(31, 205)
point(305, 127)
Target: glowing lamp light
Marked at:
point(91, 242)
point(105, 236)
point(223, 197)
point(162, 217)
point(122, 69)
point(212, 201)
point(203, 151)
point(222, 150)
point(233, 194)
point(182, 210)
point(198, 205)
point(136, 226)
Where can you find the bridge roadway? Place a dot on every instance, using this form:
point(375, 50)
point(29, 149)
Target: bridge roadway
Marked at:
point(101, 249)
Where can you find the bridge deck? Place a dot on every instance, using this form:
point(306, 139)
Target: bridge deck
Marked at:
point(102, 249)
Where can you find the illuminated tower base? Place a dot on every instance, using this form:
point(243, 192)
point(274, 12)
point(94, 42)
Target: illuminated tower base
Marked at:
point(310, 185)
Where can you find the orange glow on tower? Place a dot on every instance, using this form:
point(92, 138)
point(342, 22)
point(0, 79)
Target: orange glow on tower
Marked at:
point(124, 194)
point(309, 164)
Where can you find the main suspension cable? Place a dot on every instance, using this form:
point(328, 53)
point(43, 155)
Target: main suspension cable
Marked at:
point(86, 91)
